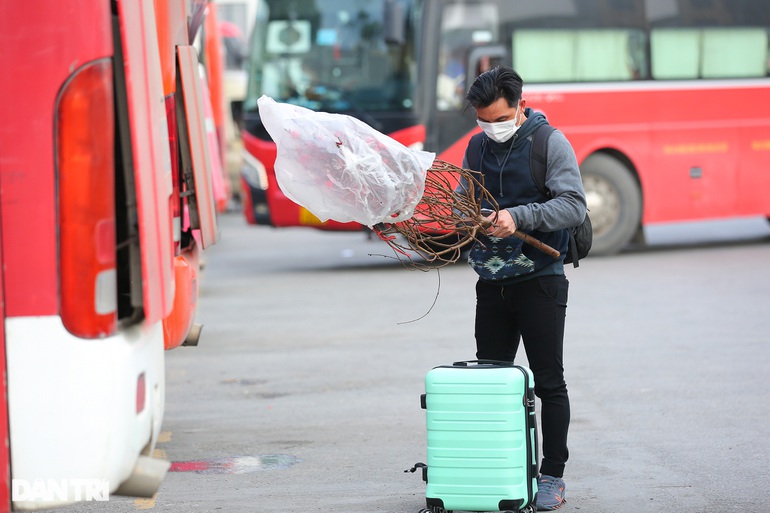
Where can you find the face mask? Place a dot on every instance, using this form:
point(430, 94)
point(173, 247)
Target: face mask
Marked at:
point(502, 130)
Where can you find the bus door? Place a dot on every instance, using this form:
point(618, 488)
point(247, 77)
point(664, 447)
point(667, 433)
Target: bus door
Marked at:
point(698, 149)
point(197, 160)
point(148, 135)
point(466, 46)
point(177, 22)
point(754, 163)
point(712, 65)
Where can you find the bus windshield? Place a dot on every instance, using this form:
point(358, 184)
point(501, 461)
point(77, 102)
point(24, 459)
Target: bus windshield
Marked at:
point(334, 56)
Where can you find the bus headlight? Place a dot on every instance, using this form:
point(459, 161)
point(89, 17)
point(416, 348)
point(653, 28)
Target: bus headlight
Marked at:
point(253, 171)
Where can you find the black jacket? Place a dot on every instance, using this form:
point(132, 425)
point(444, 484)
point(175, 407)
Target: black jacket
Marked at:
point(507, 176)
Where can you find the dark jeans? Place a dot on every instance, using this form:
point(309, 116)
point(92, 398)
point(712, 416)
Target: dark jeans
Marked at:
point(532, 310)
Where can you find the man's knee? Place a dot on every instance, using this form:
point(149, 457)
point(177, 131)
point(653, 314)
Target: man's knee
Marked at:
point(550, 384)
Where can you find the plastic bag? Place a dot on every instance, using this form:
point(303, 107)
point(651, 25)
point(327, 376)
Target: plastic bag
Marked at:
point(340, 168)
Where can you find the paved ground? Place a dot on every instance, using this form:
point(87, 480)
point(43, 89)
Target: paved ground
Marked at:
point(304, 393)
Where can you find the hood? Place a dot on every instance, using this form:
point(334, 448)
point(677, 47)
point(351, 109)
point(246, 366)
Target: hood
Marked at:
point(534, 120)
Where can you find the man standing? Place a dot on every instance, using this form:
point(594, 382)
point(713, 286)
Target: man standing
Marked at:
point(522, 293)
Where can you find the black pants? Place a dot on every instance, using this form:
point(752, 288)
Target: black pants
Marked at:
point(532, 310)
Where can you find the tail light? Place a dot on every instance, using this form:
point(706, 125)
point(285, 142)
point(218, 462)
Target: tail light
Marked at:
point(85, 138)
point(176, 203)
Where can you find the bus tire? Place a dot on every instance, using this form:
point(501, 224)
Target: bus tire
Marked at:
point(614, 202)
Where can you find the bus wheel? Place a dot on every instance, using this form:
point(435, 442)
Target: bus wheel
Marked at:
point(614, 202)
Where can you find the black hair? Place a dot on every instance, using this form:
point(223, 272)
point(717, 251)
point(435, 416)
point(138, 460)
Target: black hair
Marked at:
point(490, 86)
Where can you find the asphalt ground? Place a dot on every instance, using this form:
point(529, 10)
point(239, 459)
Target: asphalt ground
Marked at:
point(303, 394)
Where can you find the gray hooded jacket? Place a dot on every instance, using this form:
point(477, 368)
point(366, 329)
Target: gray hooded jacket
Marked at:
point(507, 176)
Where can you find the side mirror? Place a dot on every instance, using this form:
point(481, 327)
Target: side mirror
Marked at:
point(394, 23)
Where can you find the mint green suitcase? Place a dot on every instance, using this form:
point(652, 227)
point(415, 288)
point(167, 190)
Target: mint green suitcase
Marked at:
point(482, 445)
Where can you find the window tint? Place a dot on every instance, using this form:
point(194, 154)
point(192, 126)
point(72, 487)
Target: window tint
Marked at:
point(564, 55)
point(691, 39)
point(618, 40)
point(577, 40)
point(709, 53)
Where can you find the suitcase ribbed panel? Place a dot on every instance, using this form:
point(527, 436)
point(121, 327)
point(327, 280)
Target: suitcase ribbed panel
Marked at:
point(477, 437)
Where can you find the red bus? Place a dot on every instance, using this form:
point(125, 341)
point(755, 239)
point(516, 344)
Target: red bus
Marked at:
point(667, 102)
point(103, 149)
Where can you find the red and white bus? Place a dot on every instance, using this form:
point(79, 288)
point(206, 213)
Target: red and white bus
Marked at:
point(666, 102)
point(103, 148)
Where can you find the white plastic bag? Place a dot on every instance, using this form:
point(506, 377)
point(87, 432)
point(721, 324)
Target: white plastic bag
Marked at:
point(341, 168)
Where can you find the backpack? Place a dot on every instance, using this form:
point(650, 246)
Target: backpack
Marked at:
point(580, 236)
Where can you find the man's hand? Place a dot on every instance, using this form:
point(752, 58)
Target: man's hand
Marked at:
point(502, 226)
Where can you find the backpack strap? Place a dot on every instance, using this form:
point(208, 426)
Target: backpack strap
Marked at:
point(538, 156)
point(473, 153)
point(538, 164)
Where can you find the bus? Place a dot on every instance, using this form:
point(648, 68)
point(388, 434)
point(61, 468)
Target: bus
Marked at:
point(666, 102)
point(105, 205)
point(236, 21)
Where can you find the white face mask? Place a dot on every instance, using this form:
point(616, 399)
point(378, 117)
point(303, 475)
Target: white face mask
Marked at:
point(502, 130)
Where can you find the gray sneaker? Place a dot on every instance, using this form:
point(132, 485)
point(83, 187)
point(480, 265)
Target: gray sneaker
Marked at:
point(550, 493)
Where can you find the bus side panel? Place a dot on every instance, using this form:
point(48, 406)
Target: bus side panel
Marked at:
point(5, 461)
point(694, 156)
point(591, 135)
point(152, 157)
point(690, 161)
point(76, 407)
point(754, 150)
point(455, 153)
point(707, 162)
point(36, 68)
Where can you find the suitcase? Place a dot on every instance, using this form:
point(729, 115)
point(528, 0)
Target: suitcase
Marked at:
point(482, 437)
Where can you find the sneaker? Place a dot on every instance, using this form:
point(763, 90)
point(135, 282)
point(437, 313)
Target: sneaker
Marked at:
point(550, 493)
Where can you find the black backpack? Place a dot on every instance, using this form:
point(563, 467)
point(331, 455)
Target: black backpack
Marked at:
point(580, 236)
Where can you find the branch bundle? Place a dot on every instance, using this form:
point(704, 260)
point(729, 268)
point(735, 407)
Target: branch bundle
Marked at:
point(447, 218)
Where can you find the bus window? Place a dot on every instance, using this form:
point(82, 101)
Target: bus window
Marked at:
point(564, 55)
point(559, 42)
point(463, 27)
point(333, 59)
point(709, 53)
point(675, 53)
point(734, 53)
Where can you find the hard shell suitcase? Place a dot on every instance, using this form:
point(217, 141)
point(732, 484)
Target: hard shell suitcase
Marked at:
point(481, 434)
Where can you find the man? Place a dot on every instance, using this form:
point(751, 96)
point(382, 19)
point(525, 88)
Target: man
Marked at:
point(521, 292)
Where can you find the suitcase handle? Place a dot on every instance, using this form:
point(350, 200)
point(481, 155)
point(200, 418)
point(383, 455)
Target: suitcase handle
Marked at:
point(464, 363)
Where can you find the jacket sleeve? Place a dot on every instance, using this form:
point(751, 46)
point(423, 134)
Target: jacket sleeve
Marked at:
point(567, 206)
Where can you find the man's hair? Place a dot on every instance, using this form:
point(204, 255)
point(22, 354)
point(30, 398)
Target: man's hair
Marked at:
point(490, 86)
